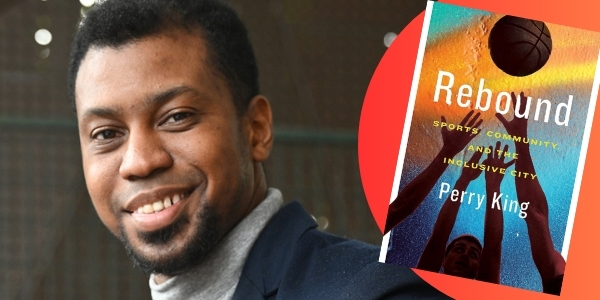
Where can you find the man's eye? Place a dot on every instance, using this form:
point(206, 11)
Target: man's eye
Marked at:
point(105, 135)
point(177, 117)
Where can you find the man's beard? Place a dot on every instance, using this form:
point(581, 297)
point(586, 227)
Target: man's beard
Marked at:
point(196, 250)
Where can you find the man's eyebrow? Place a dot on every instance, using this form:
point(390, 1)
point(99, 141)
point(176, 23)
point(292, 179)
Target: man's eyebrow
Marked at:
point(166, 95)
point(153, 100)
point(103, 112)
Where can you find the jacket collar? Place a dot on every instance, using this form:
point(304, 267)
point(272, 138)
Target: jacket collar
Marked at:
point(270, 255)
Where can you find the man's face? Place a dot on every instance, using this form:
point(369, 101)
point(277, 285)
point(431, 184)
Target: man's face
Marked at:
point(168, 164)
point(463, 259)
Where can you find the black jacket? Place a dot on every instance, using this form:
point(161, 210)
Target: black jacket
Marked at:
point(291, 259)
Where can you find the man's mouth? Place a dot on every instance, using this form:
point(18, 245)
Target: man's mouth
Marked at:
point(153, 212)
point(160, 205)
point(461, 264)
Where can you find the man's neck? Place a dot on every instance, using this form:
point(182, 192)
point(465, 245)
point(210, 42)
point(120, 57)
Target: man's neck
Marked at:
point(160, 278)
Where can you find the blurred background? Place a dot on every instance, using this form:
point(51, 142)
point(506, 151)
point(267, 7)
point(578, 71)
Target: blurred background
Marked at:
point(316, 58)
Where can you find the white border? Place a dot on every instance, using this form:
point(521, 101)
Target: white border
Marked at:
point(582, 155)
point(408, 120)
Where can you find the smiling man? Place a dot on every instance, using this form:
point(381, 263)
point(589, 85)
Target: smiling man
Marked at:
point(173, 134)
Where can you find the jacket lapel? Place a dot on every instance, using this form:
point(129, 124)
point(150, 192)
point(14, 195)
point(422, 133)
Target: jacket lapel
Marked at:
point(269, 258)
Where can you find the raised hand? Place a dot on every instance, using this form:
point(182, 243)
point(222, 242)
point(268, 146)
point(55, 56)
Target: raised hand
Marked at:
point(456, 140)
point(413, 194)
point(496, 159)
point(548, 261)
point(517, 126)
point(470, 174)
point(491, 255)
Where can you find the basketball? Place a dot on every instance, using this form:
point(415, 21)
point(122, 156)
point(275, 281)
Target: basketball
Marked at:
point(518, 46)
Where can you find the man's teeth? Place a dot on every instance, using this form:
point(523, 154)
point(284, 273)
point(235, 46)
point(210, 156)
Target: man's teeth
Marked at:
point(148, 208)
point(158, 205)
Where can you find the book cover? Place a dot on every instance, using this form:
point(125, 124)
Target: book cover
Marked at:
point(493, 150)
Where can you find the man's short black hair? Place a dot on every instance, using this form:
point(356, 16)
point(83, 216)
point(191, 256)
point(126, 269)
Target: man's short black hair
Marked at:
point(464, 237)
point(114, 23)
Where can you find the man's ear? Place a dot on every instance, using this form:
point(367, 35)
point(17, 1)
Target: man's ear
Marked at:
point(260, 120)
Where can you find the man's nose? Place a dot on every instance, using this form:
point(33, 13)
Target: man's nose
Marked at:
point(144, 156)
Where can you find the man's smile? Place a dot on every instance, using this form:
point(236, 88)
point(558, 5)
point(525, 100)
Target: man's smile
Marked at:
point(159, 205)
point(157, 209)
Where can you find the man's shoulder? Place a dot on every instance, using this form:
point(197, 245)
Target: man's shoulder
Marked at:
point(326, 249)
point(292, 259)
